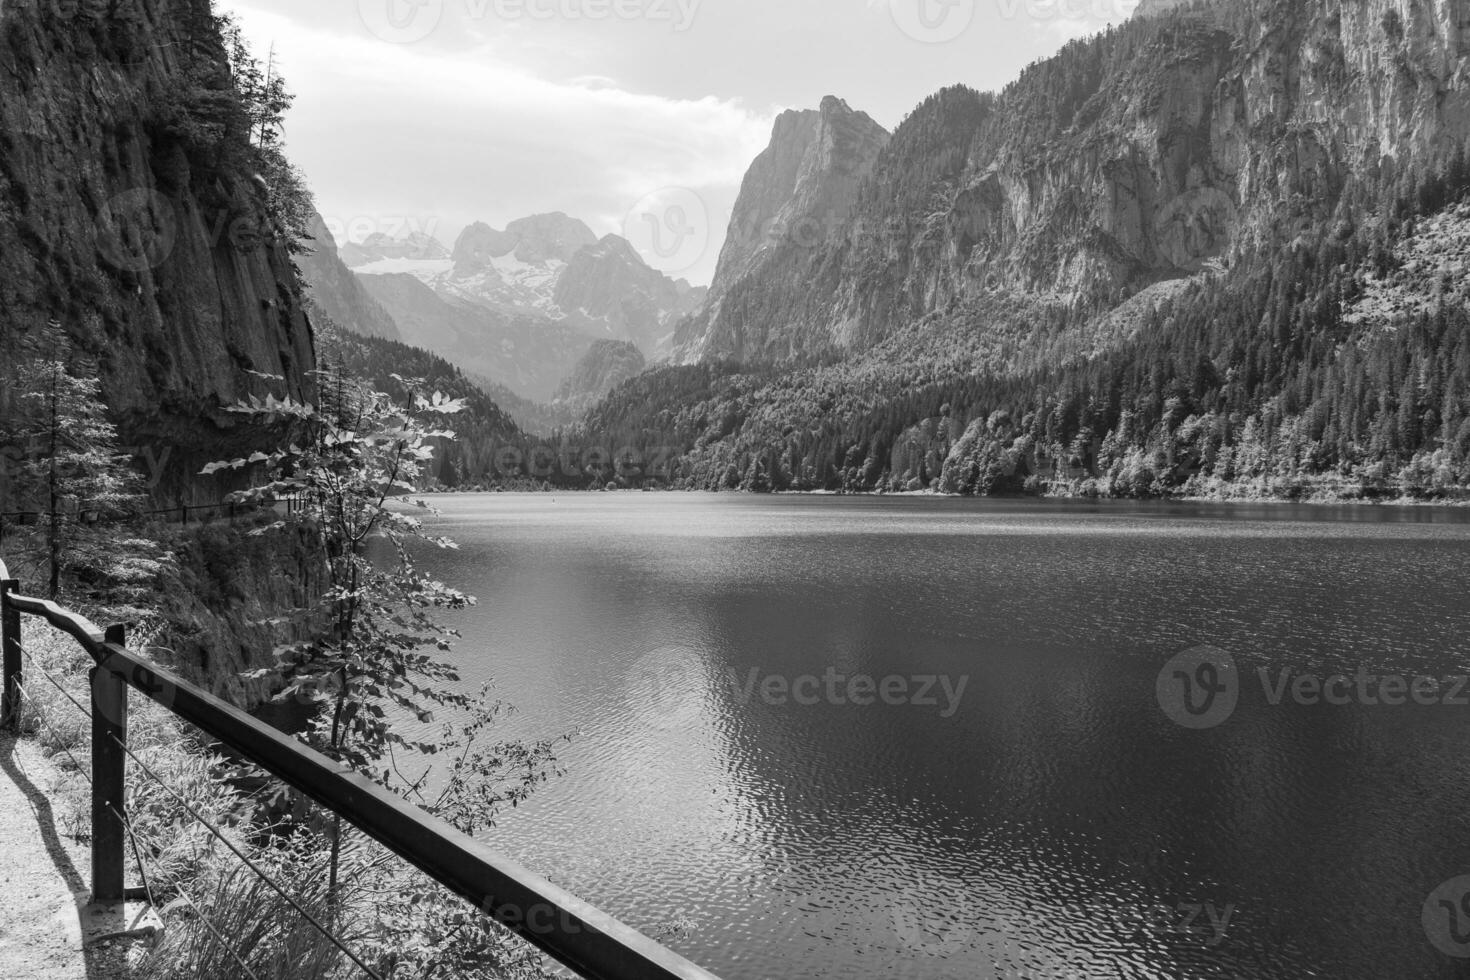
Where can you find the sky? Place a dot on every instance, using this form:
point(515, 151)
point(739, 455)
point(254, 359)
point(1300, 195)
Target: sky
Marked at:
point(639, 117)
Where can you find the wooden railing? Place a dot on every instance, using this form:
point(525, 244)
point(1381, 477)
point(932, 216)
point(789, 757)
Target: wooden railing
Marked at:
point(589, 942)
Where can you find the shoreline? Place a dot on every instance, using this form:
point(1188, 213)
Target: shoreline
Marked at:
point(1194, 499)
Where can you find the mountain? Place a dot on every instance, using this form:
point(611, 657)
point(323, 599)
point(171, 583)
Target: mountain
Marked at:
point(1126, 160)
point(480, 430)
point(529, 354)
point(514, 270)
point(407, 245)
point(608, 290)
point(1130, 270)
point(797, 194)
point(132, 212)
point(336, 290)
point(605, 366)
point(552, 268)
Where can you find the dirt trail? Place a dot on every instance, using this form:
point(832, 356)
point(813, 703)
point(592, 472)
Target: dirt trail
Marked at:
point(43, 876)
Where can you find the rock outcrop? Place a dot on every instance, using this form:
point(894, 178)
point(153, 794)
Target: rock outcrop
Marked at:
point(608, 289)
point(796, 196)
point(338, 293)
point(156, 252)
point(1147, 154)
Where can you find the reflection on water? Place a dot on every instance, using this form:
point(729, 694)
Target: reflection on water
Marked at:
point(1056, 823)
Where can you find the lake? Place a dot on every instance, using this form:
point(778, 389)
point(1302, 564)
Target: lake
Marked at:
point(928, 738)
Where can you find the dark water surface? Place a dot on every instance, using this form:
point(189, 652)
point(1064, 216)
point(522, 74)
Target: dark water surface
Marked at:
point(1050, 822)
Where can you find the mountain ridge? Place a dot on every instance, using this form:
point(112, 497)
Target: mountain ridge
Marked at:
point(1125, 273)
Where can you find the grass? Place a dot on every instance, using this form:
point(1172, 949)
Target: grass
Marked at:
point(223, 922)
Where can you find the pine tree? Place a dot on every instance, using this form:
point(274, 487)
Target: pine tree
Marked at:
point(72, 471)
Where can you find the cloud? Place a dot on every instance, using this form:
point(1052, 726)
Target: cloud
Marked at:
point(443, 138)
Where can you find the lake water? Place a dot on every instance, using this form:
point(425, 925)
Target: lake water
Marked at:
point(1047, 819)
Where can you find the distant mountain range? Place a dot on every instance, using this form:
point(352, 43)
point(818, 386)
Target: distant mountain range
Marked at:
point(1217, 250)
point(519, 307)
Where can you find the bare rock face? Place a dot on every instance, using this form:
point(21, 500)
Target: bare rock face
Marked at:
point(1136, 157)
point(478, 245)
point(607, 288)
point(548, 237)
point(158, 257)
point(515, 270)
point(337, 291)
point(796, 195)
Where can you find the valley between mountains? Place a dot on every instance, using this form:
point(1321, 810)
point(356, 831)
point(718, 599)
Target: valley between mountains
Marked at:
point(1217, 251)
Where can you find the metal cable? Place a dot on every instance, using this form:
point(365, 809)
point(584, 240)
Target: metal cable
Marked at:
point(179, 888)
point(61, 742)
point(244, 859)
point(42, 716)
point(215, 931)
point(57, 684)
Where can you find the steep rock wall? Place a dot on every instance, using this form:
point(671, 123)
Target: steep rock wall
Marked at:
point(156, 254)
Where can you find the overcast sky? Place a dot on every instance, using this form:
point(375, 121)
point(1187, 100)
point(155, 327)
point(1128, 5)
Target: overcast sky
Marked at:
point(628, 114)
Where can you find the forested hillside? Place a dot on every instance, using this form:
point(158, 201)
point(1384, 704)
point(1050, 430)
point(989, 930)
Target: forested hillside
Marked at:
point(1199, 254)
point(480, 430)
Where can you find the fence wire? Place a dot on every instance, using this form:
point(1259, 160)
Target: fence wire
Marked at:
point(245, 860)
point(43, 716)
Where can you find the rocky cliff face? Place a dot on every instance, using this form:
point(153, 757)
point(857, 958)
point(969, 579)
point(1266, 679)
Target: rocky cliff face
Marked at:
point(160, 259)
point(515, 270)
point(336, 291)
point(797, 194)
point(1137, 157)
point(609, 289)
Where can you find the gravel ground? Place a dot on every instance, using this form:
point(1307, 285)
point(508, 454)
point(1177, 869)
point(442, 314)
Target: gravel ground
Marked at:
point(43, 874)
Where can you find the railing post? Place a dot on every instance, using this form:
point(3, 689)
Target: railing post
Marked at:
point(109, 733)
point(10, 654)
